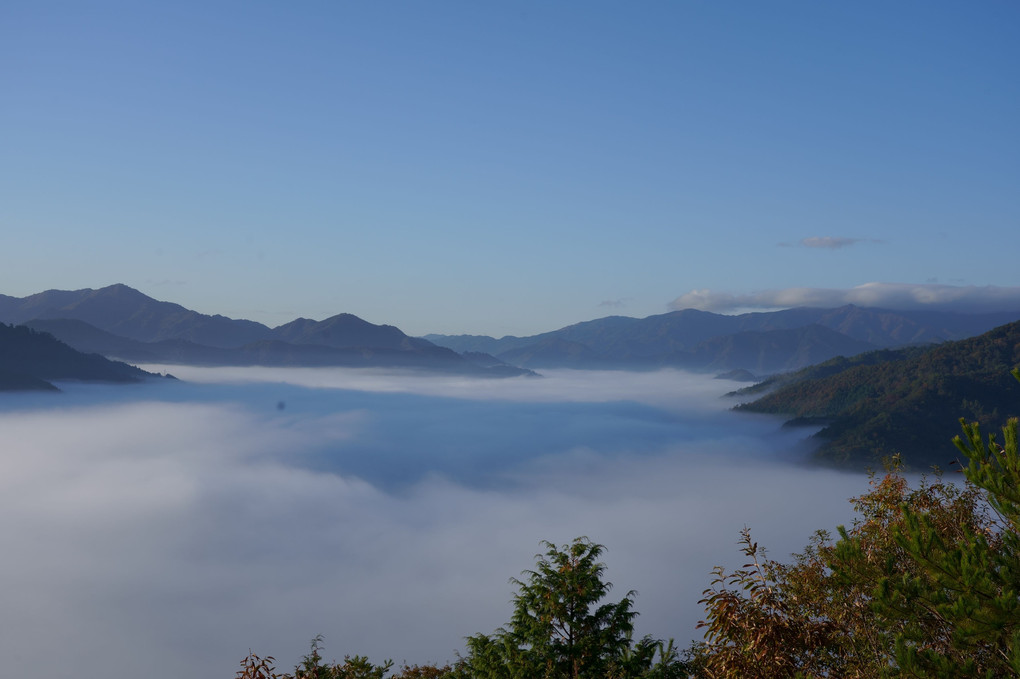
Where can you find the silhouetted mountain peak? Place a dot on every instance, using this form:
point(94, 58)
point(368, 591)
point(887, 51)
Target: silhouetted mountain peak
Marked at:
point(124, 292)
point(124, 311)
point(343, 331)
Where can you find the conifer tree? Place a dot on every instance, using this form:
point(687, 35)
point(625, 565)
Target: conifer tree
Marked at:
point(562, 629)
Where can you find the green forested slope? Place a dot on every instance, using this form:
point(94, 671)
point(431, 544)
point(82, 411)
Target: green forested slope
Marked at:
point(903, 402)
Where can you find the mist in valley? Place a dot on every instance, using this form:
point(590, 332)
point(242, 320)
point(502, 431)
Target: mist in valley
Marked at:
point(167, 528)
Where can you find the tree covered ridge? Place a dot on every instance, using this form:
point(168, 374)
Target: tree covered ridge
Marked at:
point(901, 402)
point(925, 583)
point(28, 359)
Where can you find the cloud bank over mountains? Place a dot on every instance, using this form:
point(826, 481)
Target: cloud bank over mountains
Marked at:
point(897, 296)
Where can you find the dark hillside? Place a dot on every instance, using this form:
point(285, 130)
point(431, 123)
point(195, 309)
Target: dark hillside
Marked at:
point(824, 369)
point(908, 405)
point(26, 353)
point(20, 382)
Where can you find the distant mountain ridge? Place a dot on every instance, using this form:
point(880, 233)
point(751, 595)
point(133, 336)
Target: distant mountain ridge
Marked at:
point(126, 312)
point(763, 342)
point(121, 322)
point(124, 323)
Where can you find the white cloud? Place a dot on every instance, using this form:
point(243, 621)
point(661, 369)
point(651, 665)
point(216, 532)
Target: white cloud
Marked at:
point(829, 242)
point(901, 296)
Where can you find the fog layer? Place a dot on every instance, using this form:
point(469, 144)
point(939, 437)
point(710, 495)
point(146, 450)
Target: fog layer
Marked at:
point(166, 529)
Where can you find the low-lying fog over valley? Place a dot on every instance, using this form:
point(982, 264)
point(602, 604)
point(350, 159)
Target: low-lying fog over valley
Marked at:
point(165, 529)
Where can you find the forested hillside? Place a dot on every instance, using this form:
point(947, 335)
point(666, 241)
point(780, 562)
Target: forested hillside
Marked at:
point(29, 359)
point(905, 402)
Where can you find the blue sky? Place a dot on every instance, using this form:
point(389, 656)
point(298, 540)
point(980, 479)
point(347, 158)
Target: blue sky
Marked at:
point(509, 168)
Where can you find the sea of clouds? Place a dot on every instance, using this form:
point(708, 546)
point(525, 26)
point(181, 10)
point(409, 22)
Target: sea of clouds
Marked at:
point(165, 529)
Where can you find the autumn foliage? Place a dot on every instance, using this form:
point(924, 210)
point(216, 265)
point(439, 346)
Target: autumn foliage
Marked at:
point(926, 583)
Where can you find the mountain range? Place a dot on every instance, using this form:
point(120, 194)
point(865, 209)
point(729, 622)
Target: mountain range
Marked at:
point(761, 342)
point(875, 382)
point(119, 321)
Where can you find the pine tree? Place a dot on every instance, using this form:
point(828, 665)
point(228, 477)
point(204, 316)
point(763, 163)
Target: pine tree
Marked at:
point(562, 629)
